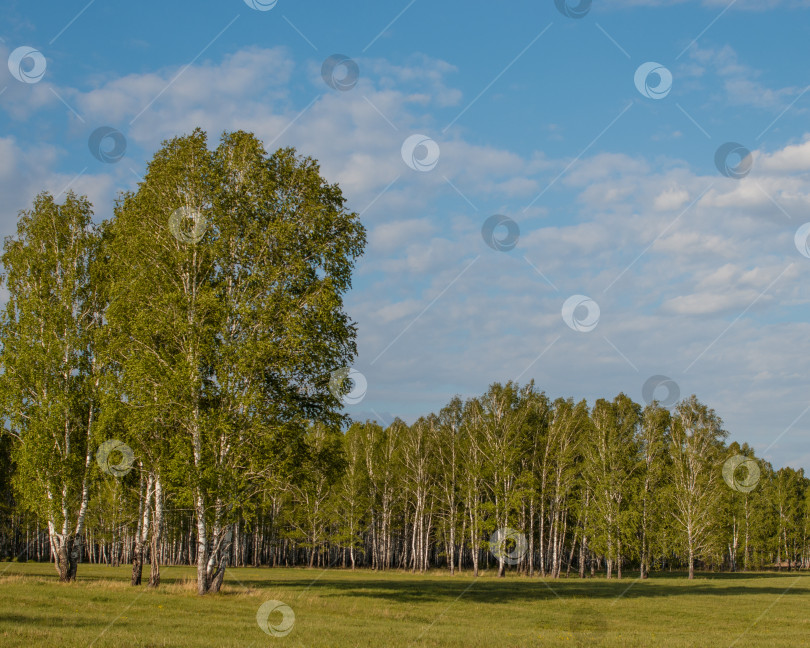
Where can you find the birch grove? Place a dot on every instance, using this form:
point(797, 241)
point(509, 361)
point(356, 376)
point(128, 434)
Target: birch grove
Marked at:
point(608, 490)
point(199, 330)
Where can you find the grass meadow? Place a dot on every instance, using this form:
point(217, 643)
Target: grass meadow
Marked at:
point(339, 609)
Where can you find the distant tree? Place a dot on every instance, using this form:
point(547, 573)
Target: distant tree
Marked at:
point(697, 438)
point(787, 494)
point(474, 474)
point(533, 441)
point(350, 503)
point(559, 426)
point(611, 462)
point(497, 424)
point(567, 430)
point(419, 484)
point(448, 440)
point(653, 441)
point(383, 459)
point(736, 512)
point(319, 470)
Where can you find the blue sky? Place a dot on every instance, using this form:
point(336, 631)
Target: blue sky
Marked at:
point(530, 114)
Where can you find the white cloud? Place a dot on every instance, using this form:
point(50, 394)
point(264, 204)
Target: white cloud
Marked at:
point(670, 281)
point(672, 198)
point(399, 234)
point(738, 81)
point(793, 158)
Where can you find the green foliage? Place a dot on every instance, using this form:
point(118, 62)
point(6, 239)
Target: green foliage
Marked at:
point(49, 384)
point(219, 285)
point(226, 317)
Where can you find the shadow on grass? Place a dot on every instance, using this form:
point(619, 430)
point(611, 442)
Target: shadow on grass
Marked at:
point(398, 588)
point(437, 586)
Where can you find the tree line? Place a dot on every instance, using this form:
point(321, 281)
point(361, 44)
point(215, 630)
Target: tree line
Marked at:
point(508, 480)
point(168, 390)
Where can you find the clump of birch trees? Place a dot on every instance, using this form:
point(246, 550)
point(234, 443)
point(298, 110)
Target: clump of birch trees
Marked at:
point(195, 331)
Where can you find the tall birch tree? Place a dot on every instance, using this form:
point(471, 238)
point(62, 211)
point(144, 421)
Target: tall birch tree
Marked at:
point(695, 451)
point(50, 376)
point(230, 268)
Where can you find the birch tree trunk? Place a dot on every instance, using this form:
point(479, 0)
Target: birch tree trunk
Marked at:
point(157, 535)
point(142, 530)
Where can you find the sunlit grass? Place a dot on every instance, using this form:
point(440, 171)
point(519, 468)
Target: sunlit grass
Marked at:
point(363, 608)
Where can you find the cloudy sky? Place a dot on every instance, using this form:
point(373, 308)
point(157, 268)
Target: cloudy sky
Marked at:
point(588, 196)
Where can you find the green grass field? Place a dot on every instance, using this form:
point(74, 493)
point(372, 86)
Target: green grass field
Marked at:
point(364, 608)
